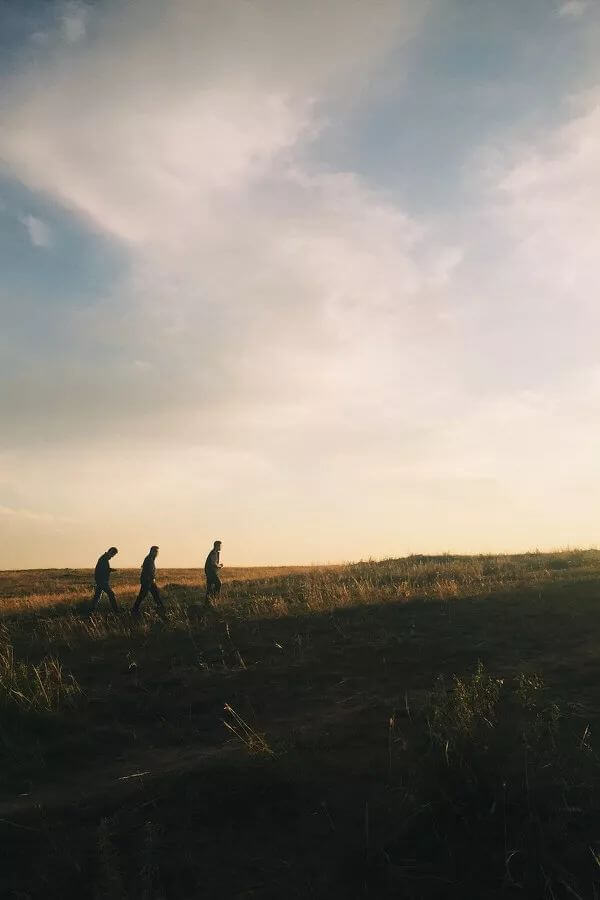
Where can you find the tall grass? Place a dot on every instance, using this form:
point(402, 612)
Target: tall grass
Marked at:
point(280, 591)
point(486, 777)
point(44, 687)
point(59, 620)
point(513, 773)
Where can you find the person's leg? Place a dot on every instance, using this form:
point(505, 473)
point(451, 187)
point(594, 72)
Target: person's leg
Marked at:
point(158, 600)
point(96, 597)
point(217, 586)
point(207, 603)
point(111, 596)
point(136, 606)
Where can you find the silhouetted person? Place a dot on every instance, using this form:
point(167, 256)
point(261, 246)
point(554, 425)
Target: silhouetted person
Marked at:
point(148, 584)
point(211, 568)
point(102, 579)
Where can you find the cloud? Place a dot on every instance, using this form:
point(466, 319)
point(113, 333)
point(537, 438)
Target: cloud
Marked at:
point(195, 100)
point(547, 198)
point(242, 252)
point(7, 512)
point(40, 38)
point(38, 231)
point(573, 9)
point(73, 20)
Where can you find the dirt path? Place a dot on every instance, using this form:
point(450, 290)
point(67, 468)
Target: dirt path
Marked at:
point(135, 774)
point(120, 779)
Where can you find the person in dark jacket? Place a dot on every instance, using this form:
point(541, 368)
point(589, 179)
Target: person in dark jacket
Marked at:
point(211, 569)
point(102, 579)
point(148, 584)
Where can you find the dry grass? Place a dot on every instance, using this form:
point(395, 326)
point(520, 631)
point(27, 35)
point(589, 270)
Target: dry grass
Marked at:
point(42, 687)
point(279, 590)
point(32, 589)
point(419, 727)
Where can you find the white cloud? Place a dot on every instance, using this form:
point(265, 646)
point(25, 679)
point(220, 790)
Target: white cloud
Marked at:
point(548, 199)
point(73, 20)
point(178, 103)
point(40, 38)
point(573, 9)
point(236, 243)
point(39, 233)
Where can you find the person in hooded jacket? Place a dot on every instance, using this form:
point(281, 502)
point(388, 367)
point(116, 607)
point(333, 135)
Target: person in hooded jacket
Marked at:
point(148, 584)
point(211, 570)
point(102, 574)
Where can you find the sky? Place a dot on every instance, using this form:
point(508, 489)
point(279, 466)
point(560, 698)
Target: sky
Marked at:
point(316, 279)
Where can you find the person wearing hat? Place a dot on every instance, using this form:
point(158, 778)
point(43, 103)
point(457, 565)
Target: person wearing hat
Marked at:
point(102, 579)
point(211, 568)
point(148, 583)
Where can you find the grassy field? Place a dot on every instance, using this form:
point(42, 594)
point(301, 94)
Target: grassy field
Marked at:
point(414, 728)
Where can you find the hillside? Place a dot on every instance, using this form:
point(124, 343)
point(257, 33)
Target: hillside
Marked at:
point(421, 727)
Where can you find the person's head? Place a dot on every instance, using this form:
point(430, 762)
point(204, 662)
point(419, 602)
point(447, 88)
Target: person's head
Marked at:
point(217, 545)
point(154, 550)
point(112, 551)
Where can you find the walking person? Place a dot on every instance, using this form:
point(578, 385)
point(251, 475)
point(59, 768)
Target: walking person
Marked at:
point(102, 579)
point(148, 584)
point(211, 567)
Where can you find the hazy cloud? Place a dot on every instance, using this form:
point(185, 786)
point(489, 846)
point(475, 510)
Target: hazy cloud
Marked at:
point(238, 247)
point(548, 198)
point(573, 8)
point(39, 37)
point(30, 515)
point(73, 21)
point(39, 233)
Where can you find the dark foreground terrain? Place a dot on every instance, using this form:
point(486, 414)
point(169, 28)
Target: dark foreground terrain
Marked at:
point(415, 728)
